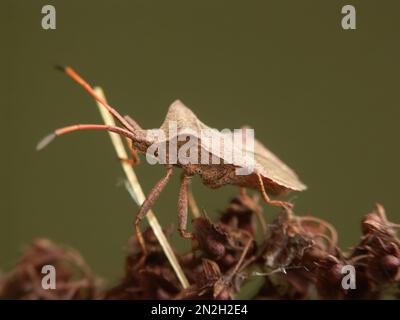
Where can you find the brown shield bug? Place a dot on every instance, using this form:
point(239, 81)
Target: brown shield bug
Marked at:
point(269, 174)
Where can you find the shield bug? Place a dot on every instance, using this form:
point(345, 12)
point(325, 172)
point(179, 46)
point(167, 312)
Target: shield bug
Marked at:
point(269, 175)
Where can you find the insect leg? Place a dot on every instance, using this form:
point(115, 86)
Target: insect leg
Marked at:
point(283, 204)
point(183, 206)
point(148, 203)
point(134, 153)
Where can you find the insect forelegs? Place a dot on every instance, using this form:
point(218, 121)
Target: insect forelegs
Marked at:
point(134, 160)
point(148, 204)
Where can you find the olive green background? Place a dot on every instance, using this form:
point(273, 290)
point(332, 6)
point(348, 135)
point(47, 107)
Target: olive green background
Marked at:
point(324, 99)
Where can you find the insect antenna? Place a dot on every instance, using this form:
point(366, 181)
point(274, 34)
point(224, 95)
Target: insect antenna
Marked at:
point(78, 127)
point(77, 78)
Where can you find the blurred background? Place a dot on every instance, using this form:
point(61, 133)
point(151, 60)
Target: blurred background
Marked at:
point(325, 100)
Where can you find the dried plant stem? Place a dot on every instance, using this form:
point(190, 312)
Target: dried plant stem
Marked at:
point(138, 194)
point(193, 205)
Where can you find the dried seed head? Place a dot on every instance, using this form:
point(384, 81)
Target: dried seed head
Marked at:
point(225, 294)
point(391, 265)
point(371, 222)
point(208, 279)
point(329, 277)
point(212, 239)
point(285, 243)
point(73, 277)
point(241, 213)
point(377, 222)
point(376, 257)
